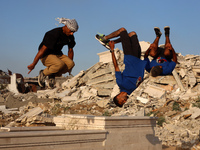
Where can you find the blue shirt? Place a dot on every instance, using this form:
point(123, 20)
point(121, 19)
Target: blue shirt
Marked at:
point(132, 74)
point(167, 65)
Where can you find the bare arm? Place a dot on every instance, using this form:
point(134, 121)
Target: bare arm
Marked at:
point(112, 45)
point(37, 57)
point(147, 53)
point(174, 58)
point(70, 53)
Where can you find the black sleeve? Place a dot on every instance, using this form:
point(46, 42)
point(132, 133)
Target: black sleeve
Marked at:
point(72, 42)
point(49, 40)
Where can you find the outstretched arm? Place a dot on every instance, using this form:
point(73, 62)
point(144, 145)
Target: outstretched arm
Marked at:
point(112, 45)
point(37, 57)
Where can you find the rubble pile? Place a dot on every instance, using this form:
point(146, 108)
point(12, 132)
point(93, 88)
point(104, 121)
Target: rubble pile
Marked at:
point(174, 99)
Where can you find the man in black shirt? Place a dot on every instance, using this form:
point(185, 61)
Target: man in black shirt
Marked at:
point(50, 52)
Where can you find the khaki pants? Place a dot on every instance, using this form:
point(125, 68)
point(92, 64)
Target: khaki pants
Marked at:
point(57, 64)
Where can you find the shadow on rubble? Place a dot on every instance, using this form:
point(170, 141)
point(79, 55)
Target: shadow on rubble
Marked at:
point(151, 137)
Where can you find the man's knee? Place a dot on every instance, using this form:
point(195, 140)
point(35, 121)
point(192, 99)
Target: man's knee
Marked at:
point(132, 33)
point(71, 65)
point(59, 66)
point(153, 50)
point(68, 67)
point(122, 29)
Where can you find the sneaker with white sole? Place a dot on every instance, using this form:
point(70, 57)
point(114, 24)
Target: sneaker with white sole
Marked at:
point(41, 79)
point(157, 31)
point(166, 28)
point(102, 40)
point(51, 81)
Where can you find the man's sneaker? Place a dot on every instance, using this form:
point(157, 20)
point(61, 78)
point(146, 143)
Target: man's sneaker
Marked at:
point(102, 40)
point(166, 28)
point(157, 31)
point(41, 79)
point(51, 81)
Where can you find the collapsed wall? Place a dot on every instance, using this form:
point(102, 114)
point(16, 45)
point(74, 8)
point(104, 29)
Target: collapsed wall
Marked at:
point(173, 98)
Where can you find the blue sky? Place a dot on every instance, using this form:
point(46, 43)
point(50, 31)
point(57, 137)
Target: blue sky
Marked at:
point(24, 23)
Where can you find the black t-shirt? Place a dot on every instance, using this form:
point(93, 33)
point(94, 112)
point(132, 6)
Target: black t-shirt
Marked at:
point(54, 40)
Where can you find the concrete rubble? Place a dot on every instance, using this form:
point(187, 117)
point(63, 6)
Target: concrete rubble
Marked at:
point(174, 99)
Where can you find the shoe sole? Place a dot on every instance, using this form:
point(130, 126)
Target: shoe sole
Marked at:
point(166, 27)
point(102, 43)
point(40, 84)
point(158, 29)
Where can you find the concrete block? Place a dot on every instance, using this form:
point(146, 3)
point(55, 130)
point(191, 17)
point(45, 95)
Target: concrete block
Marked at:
point(105, 78)
point(130, 132)
point(88, 91)
point(70, 83)
point(33, 112)
point(182, 73)
point(102, 103)
point(2, 102)
point(195, 111)
point(178, 80)
point(140, 113)
point(53, 140)
point(13, 102)
point(38, 128)
point(169, 79)
point(63, 93)
point(89, 72)
point(143, 100)
point(115, 91)
point(102, 72)
point(50, 93)
point(67, 99)
point(99, 122)
point(189, 94)
point(144, 46)
point(192, 79)
point(13, 84)
point(155, 91)
point(103, 92)
point(7, 111)
point(105, 57)
point(196, 70)
point(105, 85)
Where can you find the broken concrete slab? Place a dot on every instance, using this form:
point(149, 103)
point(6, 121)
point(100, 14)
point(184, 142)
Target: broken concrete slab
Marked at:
point(88, 73)
point(13, 84)
point(155, 91)
point(105, 78)
point(143, 100)
point(102, 103)
point(2, 101)
point(63, 93)
point(7, 111)
point(192, 79)
point(169, 79)
point(67, 99)
point(194, 111)
point(178, 80)
point(70, 83)
point(33, 112)
point(102, 72)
